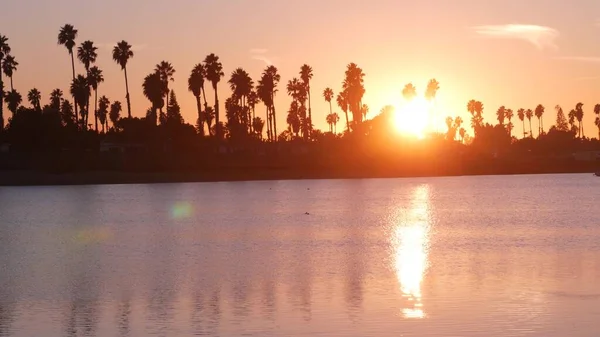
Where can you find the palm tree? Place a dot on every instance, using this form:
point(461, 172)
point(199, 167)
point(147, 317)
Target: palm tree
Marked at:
point(475, 108)
point(66, 37)
point(35, 97)
point(364, 109)
point(462, 132)
point(328, 95)
point(336, 119)
point(121, 54)
point(86, 53)
point(209, 117)
point(528, 115)
point(154, 89)
point(409, 92)
point(214, 73)
point(257, 125)
point(263, 91)
point(80, 90)
point(13, 100)
point(103, 105)
point(329, 120)
point(342, 102)
point(572, 118)
point(195, 86)
point(115, 113)
point(509, 114)
point(241, 84)
point(431, 91)
point(597, 120)
point(94, 79)
point(521, 115)
point(501, 115)
point(354, 87)
point(579, 116)
point(252, 100)
point(273, 78)
point(9, 66)
point(4, 51)
point(306, 74)
point(56, 99)
point(539, 112)
point(166, 71)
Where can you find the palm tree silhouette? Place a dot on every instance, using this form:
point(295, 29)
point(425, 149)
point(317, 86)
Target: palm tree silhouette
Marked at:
point(364, 110)
point(293, 118)
point(252, 100)
point(597, 120)
point(196, 87)
point(241, 84)
point(154, 90)
point(273, 78)
point(572, 117)
point(354, 87)
point(4, 51)
point(263, 92)
point(66, 37)
point(528, 115)
point(9, 66)
point(336, 119)
point(501, 115)
point(539, 112)
point(80, 90)
point(521, 115)
point(462, 132)
point(13, 100)
point(329, 120)
point(214, 73)
point(475, 108)
point(94, 79)
point(509, 114)
point(306, 74)
point(166, 71)
point(56, 99)
point(342, 102)
point(102, 112)
point(328, 95)
point(258, 125)
point(115, 113)
point(121, 54)
point(35, 97)
point(297, 90)
point(579, 116)
point(409, 92)
point(209, 117)
point(431, 91)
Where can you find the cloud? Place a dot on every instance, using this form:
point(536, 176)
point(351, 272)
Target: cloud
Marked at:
point(540, 36)
point(593, 59)
point(260, 55)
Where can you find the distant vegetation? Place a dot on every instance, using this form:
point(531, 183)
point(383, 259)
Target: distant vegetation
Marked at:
point(62, 123)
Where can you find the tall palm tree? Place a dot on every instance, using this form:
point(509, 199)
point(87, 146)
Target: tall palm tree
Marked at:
point(539, 113)
point(579, 116)
point(195, 86)
point(528, 115)
point(56, 99)
point(329, 120)
point(328, 95)
point(273, 78)
point(431, 92)
point(241, 84)
point(9, 66)
point(115, 113)
point(597, 120)
point(475, 108)
point(121, 54)
point(214, 73)
point(35, 97)
point(336, 119)
point(509, 114)
point(154, 89)
point(521, 115)
point(263, 91)
point(80, 90)
point(209, 117)
point(297, 90)
point(4, 51)
point(94, 79)
point(501, 115)
point(66, 37)
point(252, 100)
point(166, 71)
point(87, 54)
point(102, 112)
point(306, 74)
point(13, 100)
point(354, 87)
point(342, 102)
point(409, 92)
point(257, 125)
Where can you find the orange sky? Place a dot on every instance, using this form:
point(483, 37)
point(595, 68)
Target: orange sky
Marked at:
point(551, 57)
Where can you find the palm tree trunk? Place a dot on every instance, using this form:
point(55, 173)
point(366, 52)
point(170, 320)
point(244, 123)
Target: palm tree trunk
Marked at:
point(127, 93)
point(217, 119)
point(274, 116)
point(530, 129)
point(74, 102)
point(542, 123)
point(11, 83)
point(330, 108)
point(523, 122)
point(309, 115)
point(200, 121)
point(347, 122)
point(1, 103)
point(96, 109)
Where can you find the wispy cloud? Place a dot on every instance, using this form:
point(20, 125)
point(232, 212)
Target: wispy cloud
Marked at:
point(260, 54)
point(541, 37)
point(593, 59)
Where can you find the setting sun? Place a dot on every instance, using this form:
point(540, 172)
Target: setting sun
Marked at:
point(412, 118)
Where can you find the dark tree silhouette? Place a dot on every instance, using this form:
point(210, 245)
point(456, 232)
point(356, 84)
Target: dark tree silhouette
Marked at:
point(528, 115)
point(328, 95)
point(115, 113)
point(297, 90)
point(561, 120)
point(501, 115)
point(355, 90)
point(241, 85)
point(166, 71)
point(214, 73)
point(597, 119)
point(173, 110)
point(306, 74)
point(95, 77)
point(66, 37)
point(56, 98)
point(35, 98)
point(154, 89)
point(102, 112)
point(263, 92)
point(13, 100)
point(342, 102)
point(80, 90)
point(273, 78)
point(475, 108)
point(121, 54)
point(579, 116)
point(9, 66)
point(196, 86)
point(521, 115)
point(509, 114)
point(539, 113)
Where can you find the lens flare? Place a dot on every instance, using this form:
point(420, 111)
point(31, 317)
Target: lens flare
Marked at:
point(181, 210)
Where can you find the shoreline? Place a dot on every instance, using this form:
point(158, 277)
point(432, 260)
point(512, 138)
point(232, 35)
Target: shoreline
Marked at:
point(39, 178)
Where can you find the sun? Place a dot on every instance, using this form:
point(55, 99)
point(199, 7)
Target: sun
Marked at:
point(413, 118)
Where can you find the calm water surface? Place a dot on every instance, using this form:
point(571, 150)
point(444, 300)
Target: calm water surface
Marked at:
point(464, 256)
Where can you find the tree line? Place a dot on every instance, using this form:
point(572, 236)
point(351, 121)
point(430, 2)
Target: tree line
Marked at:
point(242, 121)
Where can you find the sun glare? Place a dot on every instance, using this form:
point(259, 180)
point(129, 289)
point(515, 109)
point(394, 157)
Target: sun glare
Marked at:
point(412, 118)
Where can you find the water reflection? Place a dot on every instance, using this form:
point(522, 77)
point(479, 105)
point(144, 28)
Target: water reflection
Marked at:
point(411, 245)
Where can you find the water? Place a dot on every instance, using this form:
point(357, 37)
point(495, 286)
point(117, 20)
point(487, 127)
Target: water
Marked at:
point(464, 256)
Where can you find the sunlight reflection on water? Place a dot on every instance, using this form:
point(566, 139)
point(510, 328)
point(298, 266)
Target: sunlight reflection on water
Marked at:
point(411, 245)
